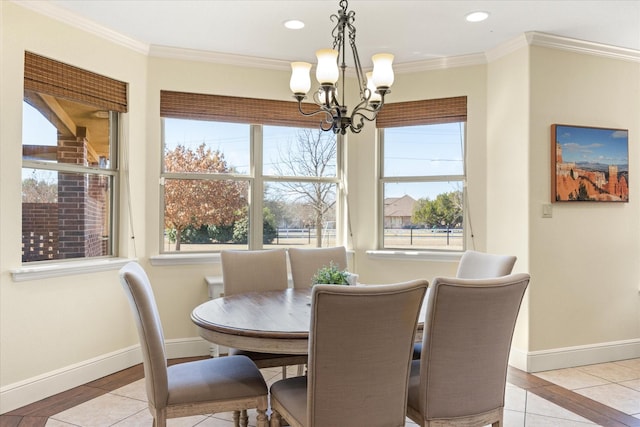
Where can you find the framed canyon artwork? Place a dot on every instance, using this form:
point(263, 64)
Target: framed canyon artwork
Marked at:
point(589, 164)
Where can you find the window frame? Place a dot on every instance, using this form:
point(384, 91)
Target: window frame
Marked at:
point(113, 172)
point(56, 79)
point(256, 180)
point(421, 117)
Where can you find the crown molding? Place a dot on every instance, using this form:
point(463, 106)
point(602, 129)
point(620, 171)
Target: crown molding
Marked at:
point(440, 63)
point(582, 46)
point(506, 48)
point(59, 14)
point(217, 57)
point(273, 64)
point(530, 38)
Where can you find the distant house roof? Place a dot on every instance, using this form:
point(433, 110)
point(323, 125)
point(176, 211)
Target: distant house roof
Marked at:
point(399, 206)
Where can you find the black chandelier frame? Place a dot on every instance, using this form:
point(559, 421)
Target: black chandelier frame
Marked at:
point(326, 97)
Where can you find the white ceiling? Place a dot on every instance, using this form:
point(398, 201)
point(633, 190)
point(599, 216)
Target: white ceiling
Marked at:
point(412, 30)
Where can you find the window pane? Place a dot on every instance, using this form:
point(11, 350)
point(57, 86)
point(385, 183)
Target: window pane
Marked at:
point(61, 131)
point(433, 150)
point(425, 215)
point(299, 152)
point(299, 214)
point(65, 215)
point(205, 215)
point(205, 146)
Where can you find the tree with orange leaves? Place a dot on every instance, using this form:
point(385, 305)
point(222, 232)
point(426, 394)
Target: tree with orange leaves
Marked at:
point(196, 202)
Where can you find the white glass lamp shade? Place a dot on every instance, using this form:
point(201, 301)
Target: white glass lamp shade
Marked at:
point(382, 70)
point(375, 97)
point(300, 82)
point(327, 70)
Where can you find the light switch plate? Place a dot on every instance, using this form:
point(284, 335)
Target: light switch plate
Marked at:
point(547, 211)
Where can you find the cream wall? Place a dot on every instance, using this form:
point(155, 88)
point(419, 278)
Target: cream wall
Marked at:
point(585, 260)
point(59, 332)
point(507, 195)
point(54, 324)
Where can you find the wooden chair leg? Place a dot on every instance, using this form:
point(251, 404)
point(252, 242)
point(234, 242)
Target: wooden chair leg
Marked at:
point(275, 419)
point(244, 418)
point(262, 420)
point(160, 419)
point(236, 418)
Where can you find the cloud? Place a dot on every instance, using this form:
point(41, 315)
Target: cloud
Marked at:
point(620, 134)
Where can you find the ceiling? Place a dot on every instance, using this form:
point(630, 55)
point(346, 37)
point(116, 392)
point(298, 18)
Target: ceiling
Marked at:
point(413, 31)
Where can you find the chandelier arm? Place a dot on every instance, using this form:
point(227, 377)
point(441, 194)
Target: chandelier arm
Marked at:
point(329, 113)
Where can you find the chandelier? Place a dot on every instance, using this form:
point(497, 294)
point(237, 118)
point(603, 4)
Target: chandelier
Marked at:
point(328, 98)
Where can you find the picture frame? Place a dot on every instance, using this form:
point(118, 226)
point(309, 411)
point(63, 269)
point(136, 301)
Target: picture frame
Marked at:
point(589, 164)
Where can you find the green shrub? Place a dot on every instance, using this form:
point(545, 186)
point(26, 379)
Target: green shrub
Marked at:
point(330, 275)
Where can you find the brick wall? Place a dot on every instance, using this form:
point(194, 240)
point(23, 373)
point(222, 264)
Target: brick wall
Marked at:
point(39, 231)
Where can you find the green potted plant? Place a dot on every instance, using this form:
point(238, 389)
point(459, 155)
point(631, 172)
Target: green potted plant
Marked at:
point(332, 275)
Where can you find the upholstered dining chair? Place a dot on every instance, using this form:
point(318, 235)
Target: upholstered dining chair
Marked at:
point(481, 265)
point(461, 377)
point(258, 270)
point(305, 262)
point(360, 342)
point(478, 265)
point(200, 387)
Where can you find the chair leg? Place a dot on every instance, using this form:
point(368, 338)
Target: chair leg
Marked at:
point(160, 419)
point(244, 418)
point(236, 418)
point(284, 372)
point(275, 419)
point(262, 420)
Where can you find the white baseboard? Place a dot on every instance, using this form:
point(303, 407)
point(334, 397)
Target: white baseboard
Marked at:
point(31, 390)
point(566, 357)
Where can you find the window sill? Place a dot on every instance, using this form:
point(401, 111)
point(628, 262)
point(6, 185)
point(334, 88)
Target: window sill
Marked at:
point(400, 255)
point(70, 268)
point(185, 259)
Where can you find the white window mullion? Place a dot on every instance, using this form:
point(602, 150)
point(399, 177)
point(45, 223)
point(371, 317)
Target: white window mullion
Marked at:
point(257, 189)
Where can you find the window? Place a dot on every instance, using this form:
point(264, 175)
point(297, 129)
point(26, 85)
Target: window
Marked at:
point(69, 161)
point(230, 184)
point(422, 175)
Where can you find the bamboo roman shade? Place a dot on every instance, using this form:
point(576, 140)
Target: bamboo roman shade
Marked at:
point(430, 111)
point(55, 78)
point(183, 105)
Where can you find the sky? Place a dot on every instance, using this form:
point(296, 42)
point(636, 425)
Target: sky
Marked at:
point(594, 145)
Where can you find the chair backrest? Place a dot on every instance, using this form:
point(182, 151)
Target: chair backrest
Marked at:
point(360, 348)
point(137, 287)
point(305, 262)
point(466, 344)
point(260, 270)
point(480, 265)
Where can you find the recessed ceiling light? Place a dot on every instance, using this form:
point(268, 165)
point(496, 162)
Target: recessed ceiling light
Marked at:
point(294, 24)
point(477, 16)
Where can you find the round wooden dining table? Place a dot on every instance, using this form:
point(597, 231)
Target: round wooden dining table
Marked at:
point(267, 321)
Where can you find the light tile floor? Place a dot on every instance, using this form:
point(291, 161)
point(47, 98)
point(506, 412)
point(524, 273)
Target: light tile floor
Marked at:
point(615, 384)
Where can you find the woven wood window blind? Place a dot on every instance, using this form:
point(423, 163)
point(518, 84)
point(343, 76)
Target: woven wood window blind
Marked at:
point(55, 78)
point(183, 105)
point(431, 111)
